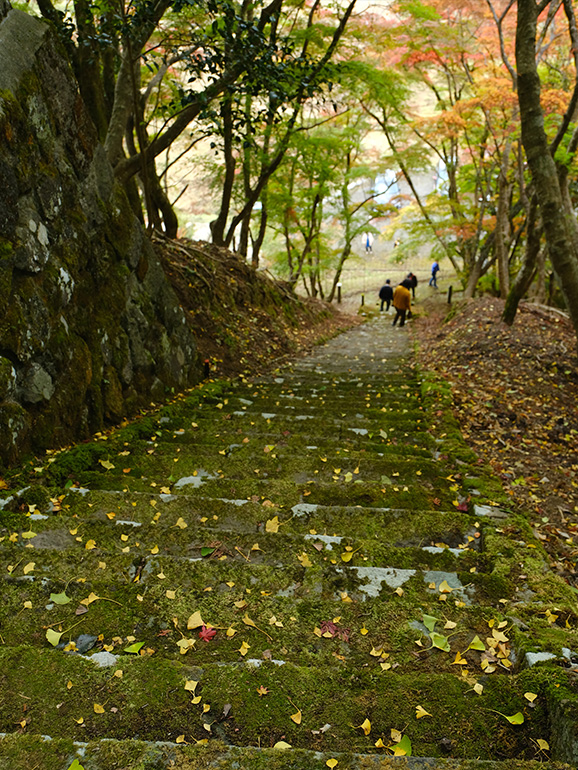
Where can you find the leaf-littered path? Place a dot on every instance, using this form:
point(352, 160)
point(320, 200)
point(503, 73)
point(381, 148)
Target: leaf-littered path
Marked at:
point(311, 561)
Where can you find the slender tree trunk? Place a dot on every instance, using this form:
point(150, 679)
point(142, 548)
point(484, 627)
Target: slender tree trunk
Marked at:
point(474, 276)
point(558, 230)
point(219, 224)
point(502, 223)
point(337, 276)
point(539, 292)
point(87, 67)
point(258, 242)
point(525, 275)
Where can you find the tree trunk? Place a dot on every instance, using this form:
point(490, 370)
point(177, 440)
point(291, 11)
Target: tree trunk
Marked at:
point(502, 223)
point(336, 278)
point(87, 69)
point(218, 225)
point(528, 269)
point(473, 277)
point(539, 291)
point(558, 230)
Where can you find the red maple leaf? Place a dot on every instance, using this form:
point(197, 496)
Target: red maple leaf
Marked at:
point(207, 634)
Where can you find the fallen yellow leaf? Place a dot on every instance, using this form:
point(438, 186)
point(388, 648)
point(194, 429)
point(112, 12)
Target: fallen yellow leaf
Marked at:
point(195, 620)
point(366, 726)
point(272, 525)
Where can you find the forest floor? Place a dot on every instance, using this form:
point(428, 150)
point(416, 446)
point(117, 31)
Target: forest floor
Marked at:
point(516, 398)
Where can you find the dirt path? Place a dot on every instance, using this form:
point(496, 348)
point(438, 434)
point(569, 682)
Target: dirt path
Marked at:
point(313, 560)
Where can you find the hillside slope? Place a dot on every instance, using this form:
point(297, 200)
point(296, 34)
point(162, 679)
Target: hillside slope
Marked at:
point(244, 321)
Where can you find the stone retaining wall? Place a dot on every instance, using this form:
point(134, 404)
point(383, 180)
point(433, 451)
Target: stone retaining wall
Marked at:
point(90, 329)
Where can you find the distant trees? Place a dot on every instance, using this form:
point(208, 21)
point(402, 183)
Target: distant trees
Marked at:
point(481, 94)
point(444, 91)
point(148, 68)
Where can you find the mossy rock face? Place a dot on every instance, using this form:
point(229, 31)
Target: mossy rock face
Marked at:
point(71, 257)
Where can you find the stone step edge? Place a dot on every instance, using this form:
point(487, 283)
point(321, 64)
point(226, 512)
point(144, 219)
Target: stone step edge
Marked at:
point(216, 754)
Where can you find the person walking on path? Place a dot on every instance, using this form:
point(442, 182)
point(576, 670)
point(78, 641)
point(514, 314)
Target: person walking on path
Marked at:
point(435, 268)
point(368, 239)
point(402, 302)
point(386, 295)
point(412, 278)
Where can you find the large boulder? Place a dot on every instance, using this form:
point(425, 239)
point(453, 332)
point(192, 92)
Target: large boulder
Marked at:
point(90, 329)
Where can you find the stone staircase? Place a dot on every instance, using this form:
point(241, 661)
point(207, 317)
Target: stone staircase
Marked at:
point(309, 570)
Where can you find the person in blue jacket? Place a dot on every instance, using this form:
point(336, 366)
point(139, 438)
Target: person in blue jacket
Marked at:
point(435, 268)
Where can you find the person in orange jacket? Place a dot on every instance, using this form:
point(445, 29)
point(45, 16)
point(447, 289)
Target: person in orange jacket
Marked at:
point(402, 301)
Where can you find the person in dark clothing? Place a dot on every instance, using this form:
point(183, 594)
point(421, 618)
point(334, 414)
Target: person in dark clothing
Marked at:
point(386, 295)
point(412, 278)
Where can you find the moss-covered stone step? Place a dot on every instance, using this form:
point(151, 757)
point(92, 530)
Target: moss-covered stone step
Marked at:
point(343, 407)
point(183, 518)
point(259, 703)
point(186, 467)
point(153, 599)
point(21, 752)
point(314, 548)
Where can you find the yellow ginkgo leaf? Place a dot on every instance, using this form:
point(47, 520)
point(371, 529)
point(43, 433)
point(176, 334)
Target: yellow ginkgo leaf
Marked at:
point(29, 567)
point(363, 631)
point(347, 556)
point(478, 688)
point(459, 660)
point(231, 631)
point(244, 648)
point(79, 721)
point(118, 673)
point(272, 525)
point(181, 523)
point(305, 560)
point(282, 745)
point(180, 739)
point(531, 696)
point(196, 700)
point(106, 464)
point(155, 549)
point(296, 717)
point(396, 735)
point(332, 763)
point(195, 621)
point(421, 712)
point(379, 744)
point(191, 685)
point(444, 587)
point(543, 745)
point(366, 726)
point(98, 709)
